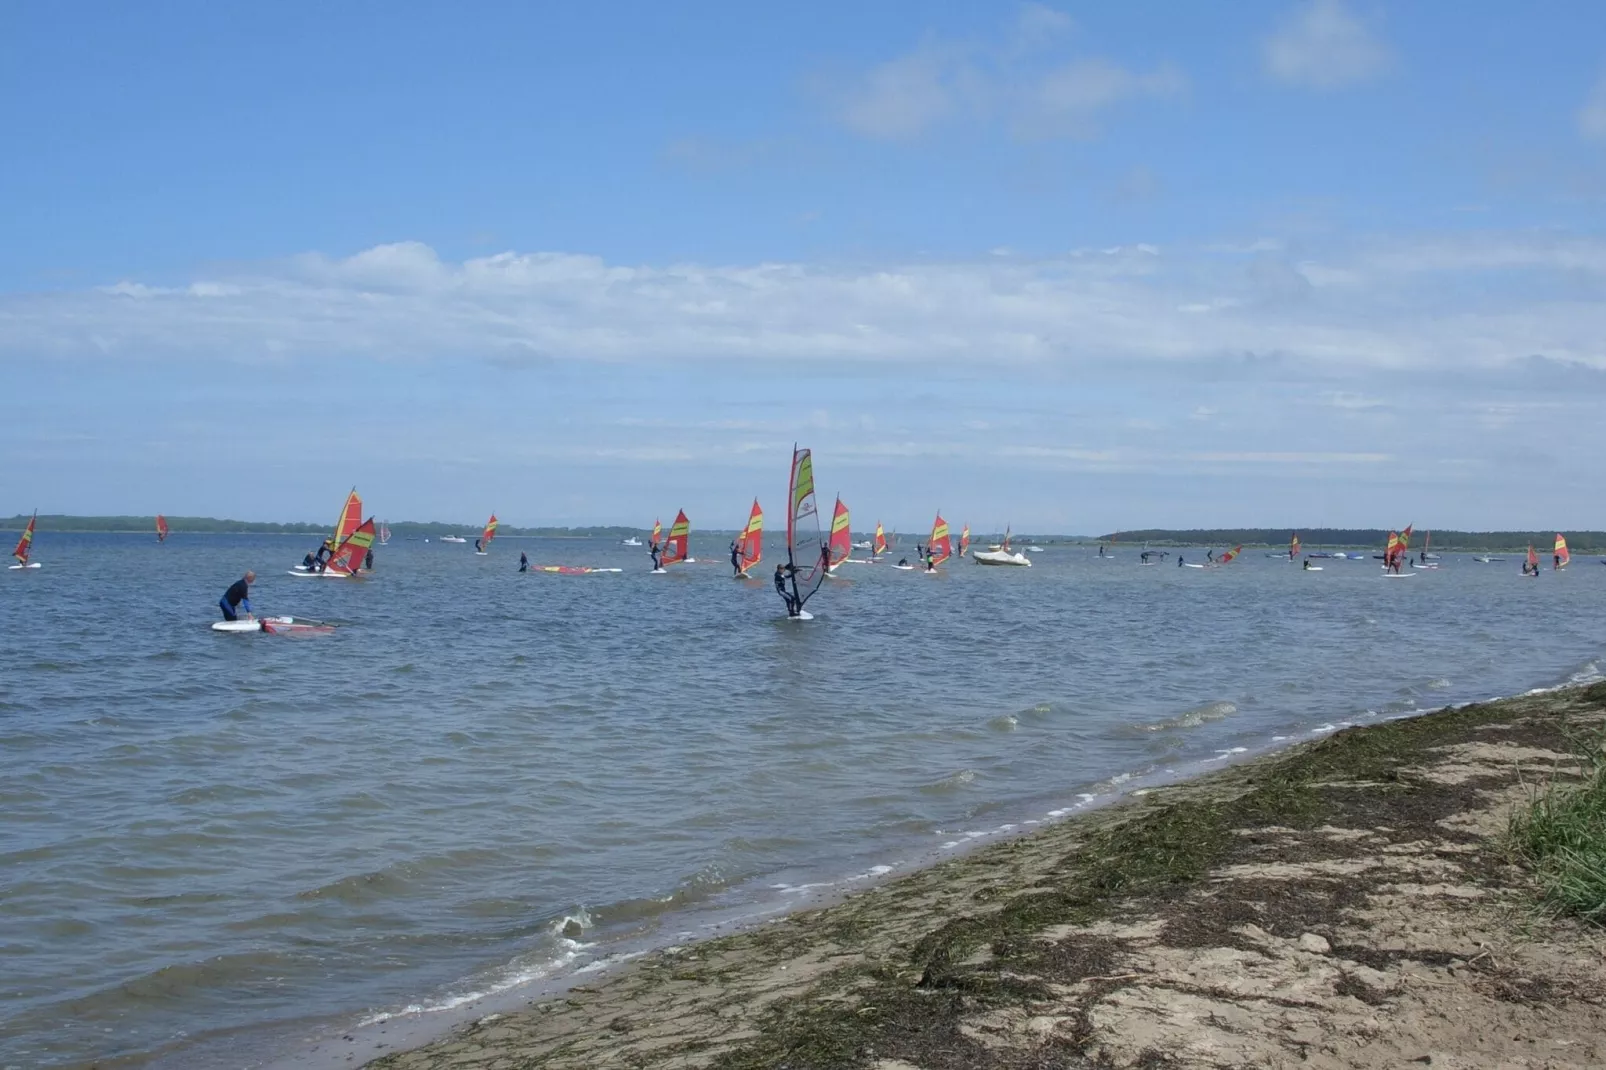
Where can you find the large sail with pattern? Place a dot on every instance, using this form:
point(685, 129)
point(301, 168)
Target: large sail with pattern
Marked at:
point(1533, 559)
point(489, 533)
point(25, 544)
point(348, 556)
point(805, 551)
point(657, 531)
point(841, 535)
point(879, 545)
point(1293, 546)
point(750, 545)
point(1562, 556)
point(161, 528)
point(964, 541)
point(939, 547)
point(679, 541)
point(1227, 558)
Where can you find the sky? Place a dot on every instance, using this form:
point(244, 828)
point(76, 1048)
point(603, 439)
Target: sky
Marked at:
point(1072, 267)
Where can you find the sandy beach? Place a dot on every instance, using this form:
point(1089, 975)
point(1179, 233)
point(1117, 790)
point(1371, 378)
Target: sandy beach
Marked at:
point(1346, 903)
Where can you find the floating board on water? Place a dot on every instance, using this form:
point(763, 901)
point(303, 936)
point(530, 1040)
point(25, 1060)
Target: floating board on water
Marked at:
point(481, 553)
point(1187, 564)
point(659, 572)
point(326, 574)
point(274, 626)
point(1313, 568)
point(1398, 575)
point(802, 615)
point(18, 568)
point(572, 570)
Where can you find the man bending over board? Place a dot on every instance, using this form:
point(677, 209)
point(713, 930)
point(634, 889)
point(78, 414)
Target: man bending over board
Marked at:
point(238, 594)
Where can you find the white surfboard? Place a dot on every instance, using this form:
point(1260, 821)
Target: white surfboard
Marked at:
point(481, 553)
point(327, 574)
point(802, 615)
point(659, 572)
point(1398, 575)
point(18, 568)
point(1313, 568)
point(247, 625)
point(904, 568)
point(1190, 564)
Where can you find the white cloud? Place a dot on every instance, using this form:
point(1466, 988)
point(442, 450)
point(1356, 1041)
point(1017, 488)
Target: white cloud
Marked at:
point(1027, 81)
point(1460, 303)
point(1592, 116)
point(1321, 45)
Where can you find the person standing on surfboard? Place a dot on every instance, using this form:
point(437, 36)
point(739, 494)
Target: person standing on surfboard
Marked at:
point(780, 587)
point(238, 594)
point(652, 551)
point(524, 562)
point(736, 557)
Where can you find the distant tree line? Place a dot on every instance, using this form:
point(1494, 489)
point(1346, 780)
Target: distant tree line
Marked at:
point(205, 525)
point(1342, 538)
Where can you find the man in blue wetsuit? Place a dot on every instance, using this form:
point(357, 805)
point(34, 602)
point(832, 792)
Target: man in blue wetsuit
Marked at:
point(238, 594)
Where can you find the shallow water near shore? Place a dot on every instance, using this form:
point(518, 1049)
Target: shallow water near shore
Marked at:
point(219, 844)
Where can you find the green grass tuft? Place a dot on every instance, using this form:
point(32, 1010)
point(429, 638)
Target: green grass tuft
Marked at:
point(1561, 834)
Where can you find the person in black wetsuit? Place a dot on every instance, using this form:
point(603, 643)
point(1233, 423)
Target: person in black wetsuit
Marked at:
point(309, 563)
point(368, 561)
point(781, 573)
point(652, 550)
point(524, 562)
point(477, 546)
point(238, 594)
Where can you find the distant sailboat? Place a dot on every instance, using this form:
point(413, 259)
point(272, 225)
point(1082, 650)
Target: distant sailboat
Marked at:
point(750, 544)
point(1002, 554)
point(964, 541)
point(878, 545)
point(384, 532)
point(161, 528)
point(1293, 547)
point(807, 556)
point(840, 544)
point(25, 545)
point(1562, 557)
point(482, 545)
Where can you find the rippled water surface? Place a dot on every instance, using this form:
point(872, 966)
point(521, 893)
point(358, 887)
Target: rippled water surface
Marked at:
point(214, 844)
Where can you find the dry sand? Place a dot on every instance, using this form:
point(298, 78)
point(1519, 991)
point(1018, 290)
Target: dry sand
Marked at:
point(1348, 903)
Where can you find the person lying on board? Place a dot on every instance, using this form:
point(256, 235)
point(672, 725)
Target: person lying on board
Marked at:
point(238, 594)
point(903, 562)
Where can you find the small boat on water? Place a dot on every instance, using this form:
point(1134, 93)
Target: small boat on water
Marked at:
point(1034, 549)
point(1002, 555)
point(453, 538)
point(632, 541)
point(25, 546)
point(864, 544)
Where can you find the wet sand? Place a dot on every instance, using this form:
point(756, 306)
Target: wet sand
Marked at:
point(1346, 903)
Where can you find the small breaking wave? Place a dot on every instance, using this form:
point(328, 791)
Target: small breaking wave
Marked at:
point(1192, 718)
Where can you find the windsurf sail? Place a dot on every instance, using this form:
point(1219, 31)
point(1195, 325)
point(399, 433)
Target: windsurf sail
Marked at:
point(657, 531)
point(1563, 557)
point(161, 528)
point(1293, 546)
point(878, 545)
point(350, 519)
point(348, 556)
point(1227, 558)
point(25, 544)
point(964, 541)
point(806, 554)
point(488, 534)
point(384, 532)
point(1405, 539)
point(1392, 550)
point(841, 543)
point(939, 548)
point(675, 547)
point(1533, 559)
point(750, 545)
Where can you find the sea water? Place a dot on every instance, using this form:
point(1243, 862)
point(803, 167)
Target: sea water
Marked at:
point(213, 847)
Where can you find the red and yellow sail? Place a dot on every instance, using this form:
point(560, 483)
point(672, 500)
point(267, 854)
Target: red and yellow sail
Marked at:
point(878, 545)
point(25, 544)
point(489, 533)
point(1405, 538)
point(161, 528)
point(1227, 558)
point(750, 544)
point(1533, 559)
point(1393, 549)
point(348, 556)
point(679, 541)
point(657, 530)
point(1293, 546)
point(964, 541)
point(1563, 556)
point(841, 541)
point(939, 547)
point(350, 519)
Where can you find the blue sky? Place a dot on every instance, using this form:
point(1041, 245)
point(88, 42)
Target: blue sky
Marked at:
point(1073, 267)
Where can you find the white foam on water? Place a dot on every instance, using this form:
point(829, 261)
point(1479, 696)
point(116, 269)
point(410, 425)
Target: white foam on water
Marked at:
point(512, 978)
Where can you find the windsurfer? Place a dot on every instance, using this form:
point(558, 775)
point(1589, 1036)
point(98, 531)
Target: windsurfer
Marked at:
point(736, 557)
point(238, 594)
point(1307, 562)
point(308, 563)
point(781, 573)
point(1180, 559)
point(524, 561)
point(1210, 555)
point(903, 562)
point(931, 560)
point(477, 548)
point(368, 561)
point(652, 550)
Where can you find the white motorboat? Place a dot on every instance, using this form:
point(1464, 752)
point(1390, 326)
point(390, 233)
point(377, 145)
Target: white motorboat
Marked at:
point(1034, 549)
point(632, 541)
point(453, 538)
point(1000, 557)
